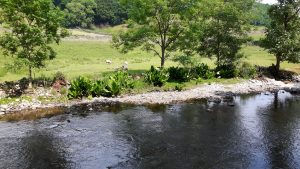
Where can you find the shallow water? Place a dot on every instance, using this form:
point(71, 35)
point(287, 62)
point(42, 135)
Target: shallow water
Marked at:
point(260, 131)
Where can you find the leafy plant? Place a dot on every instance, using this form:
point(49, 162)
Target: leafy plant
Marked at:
point(179, 87)
point(112, 85)
point(157, 76)
point(227, 71)
point(202, 71)
point(81, 87)
point(246, 70)
point(179, 74)
point(59, 76)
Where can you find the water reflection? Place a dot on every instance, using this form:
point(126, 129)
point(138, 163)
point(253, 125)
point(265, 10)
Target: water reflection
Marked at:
point(260, 131)
point(40, 149)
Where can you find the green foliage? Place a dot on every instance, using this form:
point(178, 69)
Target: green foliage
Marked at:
point(80, 87)
point(157, 76)
point(185, 60)
point(247, 70)
point(202, 71)
point(63, 91)
point(109, 12)
point(224, 30)
point(108, 87)
point(179, 74)
point(59, 76)
point(33, 25)
point(260, 15)
point(179, 87)
point(79, 13)
point(283, 34)
point(155, 25)
point(227, 71)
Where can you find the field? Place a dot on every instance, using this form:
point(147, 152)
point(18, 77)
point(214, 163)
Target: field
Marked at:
point(84, 57)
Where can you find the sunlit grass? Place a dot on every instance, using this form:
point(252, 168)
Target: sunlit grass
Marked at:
point(87, 58)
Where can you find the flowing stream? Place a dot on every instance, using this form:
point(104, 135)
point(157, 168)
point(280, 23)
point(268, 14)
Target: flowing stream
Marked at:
point(257, 131)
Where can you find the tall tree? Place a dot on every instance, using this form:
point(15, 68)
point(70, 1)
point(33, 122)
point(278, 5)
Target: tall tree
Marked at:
point(224, 30)
point(283, 34)
point(33, 26)
point(154, 25)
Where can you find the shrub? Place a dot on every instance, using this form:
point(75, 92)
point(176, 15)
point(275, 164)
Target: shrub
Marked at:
point(157, 76)
point(63, 91)
point(80, 87)
point(227, 71)
point(202, 71)
point(59, 76)
point(179, 74)
point(124, 79)
point(179, 87)
point(246, 70)
point(112, 85)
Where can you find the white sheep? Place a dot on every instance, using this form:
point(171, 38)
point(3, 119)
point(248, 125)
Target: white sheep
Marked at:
point(108, 62)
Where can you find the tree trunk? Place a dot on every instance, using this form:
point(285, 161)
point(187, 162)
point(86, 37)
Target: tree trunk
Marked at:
point(163, 57)
point(30, 78)
point(277, 66)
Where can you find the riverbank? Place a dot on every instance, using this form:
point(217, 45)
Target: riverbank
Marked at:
point(212, 92)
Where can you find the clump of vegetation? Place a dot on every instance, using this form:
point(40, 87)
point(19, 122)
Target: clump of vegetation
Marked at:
point(227, 71)
point(202, 71)
point(179, 74)
point(59, 76)
point(179, 87)
point(110, 86)
point(80, 87)
point(246, 70)
point(157, 76)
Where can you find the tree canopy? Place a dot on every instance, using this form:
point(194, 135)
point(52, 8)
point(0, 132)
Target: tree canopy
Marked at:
point(156, 26)
point(283, 34)
point(225, 30)
point(33, 25)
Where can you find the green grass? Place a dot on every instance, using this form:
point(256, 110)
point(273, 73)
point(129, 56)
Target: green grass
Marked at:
point(87, 58)
point(110, 30)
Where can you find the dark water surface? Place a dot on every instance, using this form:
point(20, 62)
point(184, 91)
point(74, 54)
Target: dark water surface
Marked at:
point(260, 131)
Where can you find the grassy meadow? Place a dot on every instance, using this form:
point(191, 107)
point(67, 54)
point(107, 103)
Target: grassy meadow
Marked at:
point(76, 58)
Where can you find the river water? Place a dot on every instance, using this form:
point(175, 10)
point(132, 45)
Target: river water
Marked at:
point(258, 131)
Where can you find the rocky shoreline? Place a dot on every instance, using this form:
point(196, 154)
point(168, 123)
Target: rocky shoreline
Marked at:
point(212, 92)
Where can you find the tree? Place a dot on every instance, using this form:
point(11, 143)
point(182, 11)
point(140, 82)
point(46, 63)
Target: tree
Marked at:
point(33, 25)
point(109, 12)
point(224, 30)
point(154, 25)
point(80, 13)
point(260, 14)
point(283, 34)
point(61, 3)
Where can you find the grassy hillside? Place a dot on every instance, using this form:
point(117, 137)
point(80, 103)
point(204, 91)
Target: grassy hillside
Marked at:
point(87, 58)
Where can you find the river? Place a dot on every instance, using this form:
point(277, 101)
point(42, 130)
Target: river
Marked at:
point(257, 131)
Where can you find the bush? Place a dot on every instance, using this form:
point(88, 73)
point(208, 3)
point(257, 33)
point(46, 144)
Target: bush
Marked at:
point(111, 85)
point(59, 76)
point(80, 87)
point(202, 71)
point(227, 71)
point(179, 87)
point(246, 70)
point(157, 76)
point(179, 74)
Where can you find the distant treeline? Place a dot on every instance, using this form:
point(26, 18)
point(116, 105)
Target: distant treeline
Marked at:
point(85, 13)
point(260, 14)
